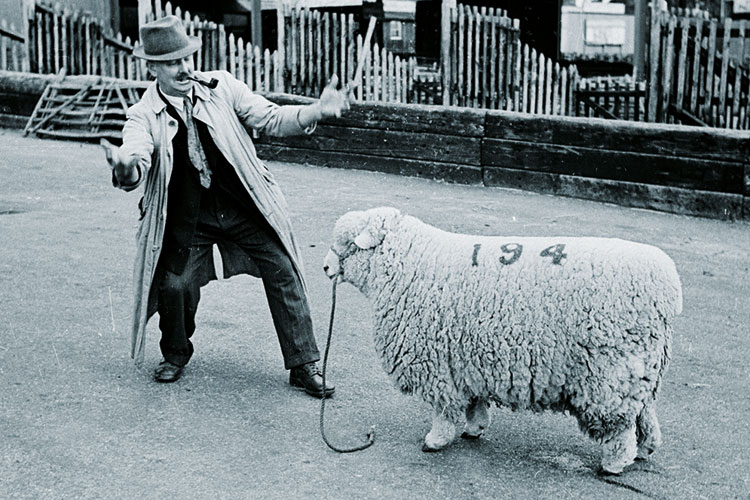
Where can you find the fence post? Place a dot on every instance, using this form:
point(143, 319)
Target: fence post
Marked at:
point(280, 41)
point(29, 13)
point(445, 47)
point(144, 11)
point(639, 42)
point(256, 30)
point(654, 60)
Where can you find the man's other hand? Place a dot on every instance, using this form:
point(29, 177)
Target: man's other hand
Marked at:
point(333, 102)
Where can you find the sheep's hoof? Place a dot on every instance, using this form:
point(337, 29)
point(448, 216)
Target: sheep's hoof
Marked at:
point(644, 454)
point(473, 437)
point(607, 473)
point(429, 449)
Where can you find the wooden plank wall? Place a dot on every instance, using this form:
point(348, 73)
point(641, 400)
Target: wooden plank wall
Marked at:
point(679, 169)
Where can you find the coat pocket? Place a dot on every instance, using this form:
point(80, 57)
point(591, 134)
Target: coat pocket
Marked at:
point(142, 208)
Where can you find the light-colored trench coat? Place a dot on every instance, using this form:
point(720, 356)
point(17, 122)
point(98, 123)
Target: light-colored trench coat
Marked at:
point(229, 110)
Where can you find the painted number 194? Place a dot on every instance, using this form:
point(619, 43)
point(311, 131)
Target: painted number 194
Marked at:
point(512, 252)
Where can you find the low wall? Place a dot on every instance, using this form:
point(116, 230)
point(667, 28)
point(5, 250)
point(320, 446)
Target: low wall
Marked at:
point(672, 168)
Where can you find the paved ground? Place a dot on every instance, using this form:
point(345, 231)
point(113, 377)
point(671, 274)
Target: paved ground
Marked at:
point(77, 420)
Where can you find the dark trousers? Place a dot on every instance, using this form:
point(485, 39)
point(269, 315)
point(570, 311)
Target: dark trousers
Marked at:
point(179, 294)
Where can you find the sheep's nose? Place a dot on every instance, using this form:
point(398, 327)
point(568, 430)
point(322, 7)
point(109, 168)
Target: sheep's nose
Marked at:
point(325, 269)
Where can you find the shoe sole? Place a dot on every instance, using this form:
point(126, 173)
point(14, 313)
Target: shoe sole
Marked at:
point(328, 393)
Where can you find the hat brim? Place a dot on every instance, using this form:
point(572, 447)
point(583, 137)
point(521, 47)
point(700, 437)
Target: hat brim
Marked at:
point(194, 43)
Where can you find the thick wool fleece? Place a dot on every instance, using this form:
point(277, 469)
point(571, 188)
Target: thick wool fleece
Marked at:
point(577, 324)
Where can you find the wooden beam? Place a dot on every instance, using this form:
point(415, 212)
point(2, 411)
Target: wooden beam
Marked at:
point(640, 36)
point(686, 117)
point(257, 26)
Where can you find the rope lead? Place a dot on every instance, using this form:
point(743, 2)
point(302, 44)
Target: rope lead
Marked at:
point(371, 434)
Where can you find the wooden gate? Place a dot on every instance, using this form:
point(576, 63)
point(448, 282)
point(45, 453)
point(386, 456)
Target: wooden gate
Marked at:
point(698, 71)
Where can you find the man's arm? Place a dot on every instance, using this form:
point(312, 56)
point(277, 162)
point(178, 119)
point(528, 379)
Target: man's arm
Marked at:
point(130, 162)
point(257, 112)
point(332, 103)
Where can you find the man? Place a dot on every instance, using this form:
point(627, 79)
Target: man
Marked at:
point(187, 143)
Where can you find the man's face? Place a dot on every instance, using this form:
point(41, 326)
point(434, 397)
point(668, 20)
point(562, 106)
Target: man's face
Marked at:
point(172, 76)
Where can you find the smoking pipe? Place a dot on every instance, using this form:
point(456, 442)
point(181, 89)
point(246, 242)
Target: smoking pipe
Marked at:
point(210, 84)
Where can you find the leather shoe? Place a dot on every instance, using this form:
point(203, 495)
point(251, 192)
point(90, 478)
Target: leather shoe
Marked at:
point(167, 372)
point(309, 378)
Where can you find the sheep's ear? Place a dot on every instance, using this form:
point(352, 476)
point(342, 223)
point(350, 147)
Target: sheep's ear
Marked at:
point(366, 240)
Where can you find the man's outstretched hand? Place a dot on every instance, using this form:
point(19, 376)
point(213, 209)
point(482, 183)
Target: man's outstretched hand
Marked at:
point(124, 169)
point(334, 101)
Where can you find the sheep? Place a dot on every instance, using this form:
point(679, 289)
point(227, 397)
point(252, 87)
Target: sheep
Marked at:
point(571, 324)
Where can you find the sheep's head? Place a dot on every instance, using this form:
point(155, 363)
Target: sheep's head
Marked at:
point(355, 237)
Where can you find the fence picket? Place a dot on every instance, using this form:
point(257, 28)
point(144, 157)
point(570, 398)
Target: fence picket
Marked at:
point(736, 87)
point(667, 76)
point(724, 69)
point(682, 60)
point(710, 71)
point(460, 57)
point(301, 29)
point(311, 87)
point(695, 85)
point(257, 68)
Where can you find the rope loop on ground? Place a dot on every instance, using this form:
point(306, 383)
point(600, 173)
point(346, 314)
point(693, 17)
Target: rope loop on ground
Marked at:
point(371, 434)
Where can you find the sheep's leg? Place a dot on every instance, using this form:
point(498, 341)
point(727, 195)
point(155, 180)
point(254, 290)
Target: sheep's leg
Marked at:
point(648, 433)
point(441, 435)
point(477, 418)
point(618, 450)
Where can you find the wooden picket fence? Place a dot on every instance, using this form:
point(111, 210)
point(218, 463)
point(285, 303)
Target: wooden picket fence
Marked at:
point(614, 98)
point(11, 48)
point(491, 68)
point(699, 73)
point(313, 46)
point(76, 43)
point(316, 45)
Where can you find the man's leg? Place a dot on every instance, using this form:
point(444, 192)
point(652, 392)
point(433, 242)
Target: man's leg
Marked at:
point(287, 301)
point(179, 295)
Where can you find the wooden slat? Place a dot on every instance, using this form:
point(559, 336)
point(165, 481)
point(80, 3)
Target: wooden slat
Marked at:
point(695, 86)
point(449, 172)
point(711, 57)
point(724, 69)
point(738, 78)
point(707, 175)
point(684, 24)
point(647, 138)
point(662, 198)
point(654, 93)
point(666, 83)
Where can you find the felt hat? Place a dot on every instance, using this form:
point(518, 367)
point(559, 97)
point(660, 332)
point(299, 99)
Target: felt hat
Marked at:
point(165, 40)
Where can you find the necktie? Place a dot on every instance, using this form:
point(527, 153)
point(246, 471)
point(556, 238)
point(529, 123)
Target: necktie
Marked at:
point(195, 150)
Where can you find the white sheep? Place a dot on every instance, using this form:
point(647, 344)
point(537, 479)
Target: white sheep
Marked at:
point(582, 325)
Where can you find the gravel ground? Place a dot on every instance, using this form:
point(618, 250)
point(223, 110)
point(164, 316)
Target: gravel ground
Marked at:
point(78, 420)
